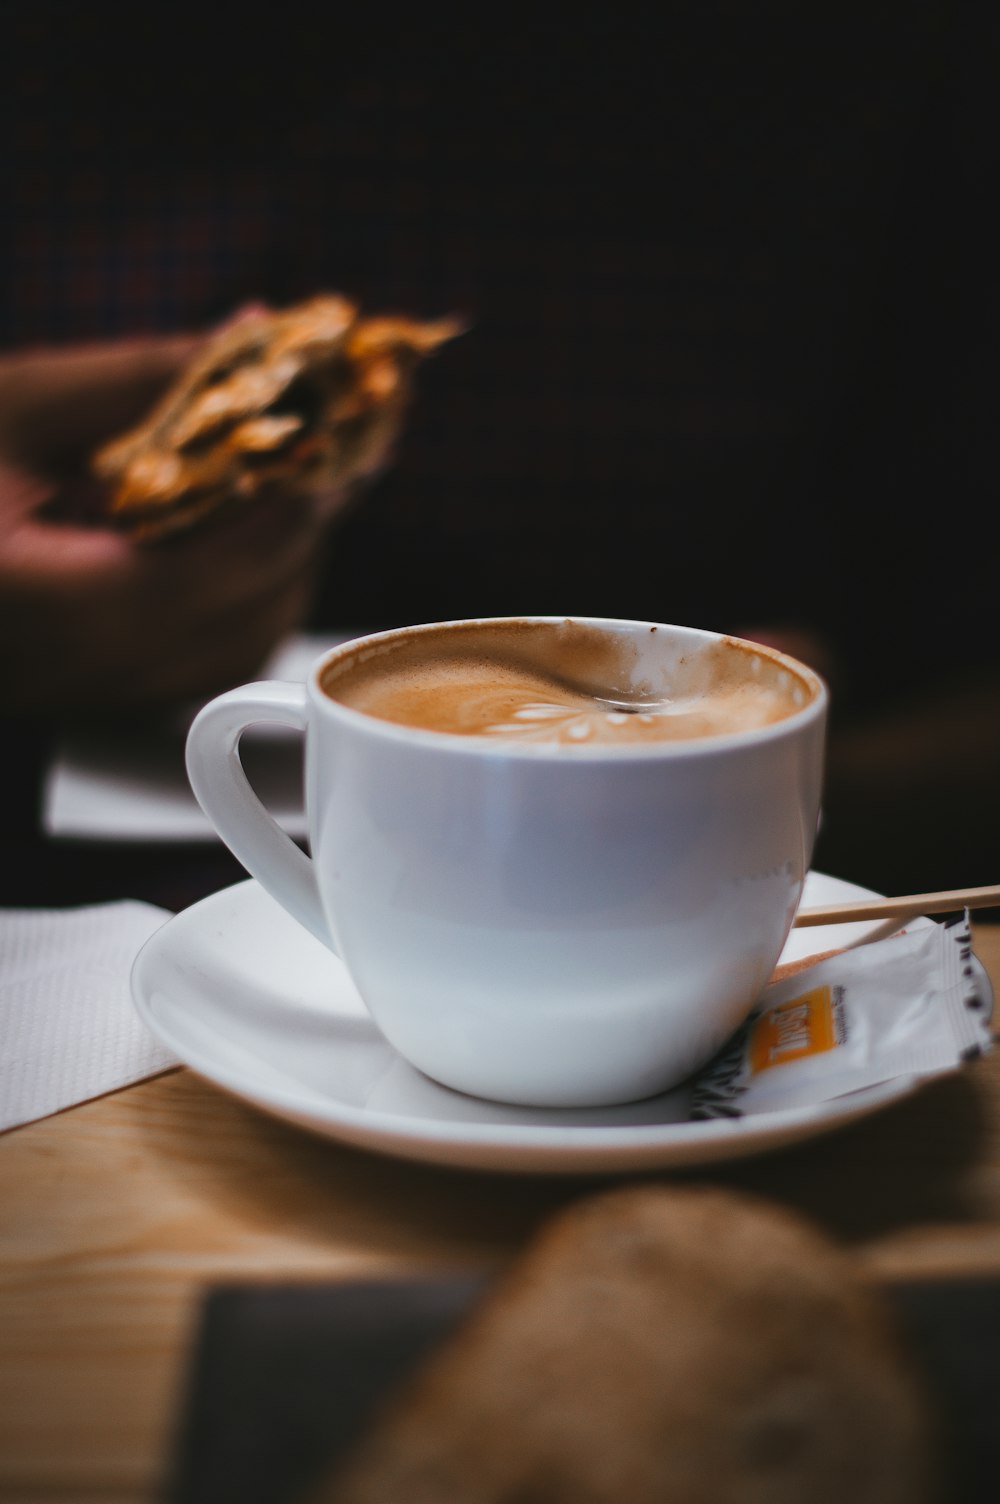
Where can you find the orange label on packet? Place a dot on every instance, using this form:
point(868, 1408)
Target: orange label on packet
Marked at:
point(805, 1025)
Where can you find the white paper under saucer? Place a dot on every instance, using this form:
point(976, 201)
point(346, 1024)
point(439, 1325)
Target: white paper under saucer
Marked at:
point(131, 785)
point(251, 1002)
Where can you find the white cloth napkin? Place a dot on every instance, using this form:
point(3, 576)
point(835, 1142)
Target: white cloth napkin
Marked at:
point(68, 1029)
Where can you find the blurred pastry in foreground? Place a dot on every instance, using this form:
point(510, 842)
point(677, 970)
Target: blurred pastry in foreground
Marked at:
point(310, 397)
point(684, 1345)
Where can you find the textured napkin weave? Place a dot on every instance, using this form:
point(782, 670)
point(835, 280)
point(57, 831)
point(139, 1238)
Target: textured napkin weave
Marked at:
point(68, 1029)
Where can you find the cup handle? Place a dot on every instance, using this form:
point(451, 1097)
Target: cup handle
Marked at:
point(220, 786)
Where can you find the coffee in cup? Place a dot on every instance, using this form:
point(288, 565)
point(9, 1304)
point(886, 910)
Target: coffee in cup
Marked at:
point(559, 857)
point(562, 683)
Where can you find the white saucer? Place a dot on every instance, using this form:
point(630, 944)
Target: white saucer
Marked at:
point(251, 1002)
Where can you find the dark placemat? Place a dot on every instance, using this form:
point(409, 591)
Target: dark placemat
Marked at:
point(283, 1377)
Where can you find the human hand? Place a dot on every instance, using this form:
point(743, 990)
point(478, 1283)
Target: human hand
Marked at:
point(88, 619)
point(56, 405)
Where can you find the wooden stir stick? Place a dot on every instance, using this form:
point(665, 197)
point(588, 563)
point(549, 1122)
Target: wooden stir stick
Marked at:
point(901, 909)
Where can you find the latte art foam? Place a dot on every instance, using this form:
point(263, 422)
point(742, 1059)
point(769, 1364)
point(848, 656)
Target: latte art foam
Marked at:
point(549, 684)
point(674, 720)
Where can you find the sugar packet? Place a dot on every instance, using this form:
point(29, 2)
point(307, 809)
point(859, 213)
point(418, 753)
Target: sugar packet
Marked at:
point(917, 1003)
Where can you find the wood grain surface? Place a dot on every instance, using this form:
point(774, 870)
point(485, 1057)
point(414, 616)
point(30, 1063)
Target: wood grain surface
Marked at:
point(119, 1215)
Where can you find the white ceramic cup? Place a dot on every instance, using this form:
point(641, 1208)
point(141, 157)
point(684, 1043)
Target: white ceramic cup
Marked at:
point(568, 926)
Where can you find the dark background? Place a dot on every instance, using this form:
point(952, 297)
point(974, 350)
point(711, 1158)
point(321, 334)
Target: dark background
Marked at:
point(731, 275)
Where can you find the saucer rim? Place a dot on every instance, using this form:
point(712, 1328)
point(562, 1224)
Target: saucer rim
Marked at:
point(531, 1147)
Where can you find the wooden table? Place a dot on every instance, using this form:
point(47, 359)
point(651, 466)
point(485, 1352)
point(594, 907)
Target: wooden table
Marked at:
point(118, 1215)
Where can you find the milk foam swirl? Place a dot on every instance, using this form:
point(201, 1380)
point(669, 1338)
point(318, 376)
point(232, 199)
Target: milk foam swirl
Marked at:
point(546, 722)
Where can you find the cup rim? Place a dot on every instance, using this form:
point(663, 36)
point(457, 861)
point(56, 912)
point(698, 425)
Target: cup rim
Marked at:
point(475, 746)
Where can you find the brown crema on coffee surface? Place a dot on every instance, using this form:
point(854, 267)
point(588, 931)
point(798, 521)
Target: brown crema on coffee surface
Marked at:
point(549, 683)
